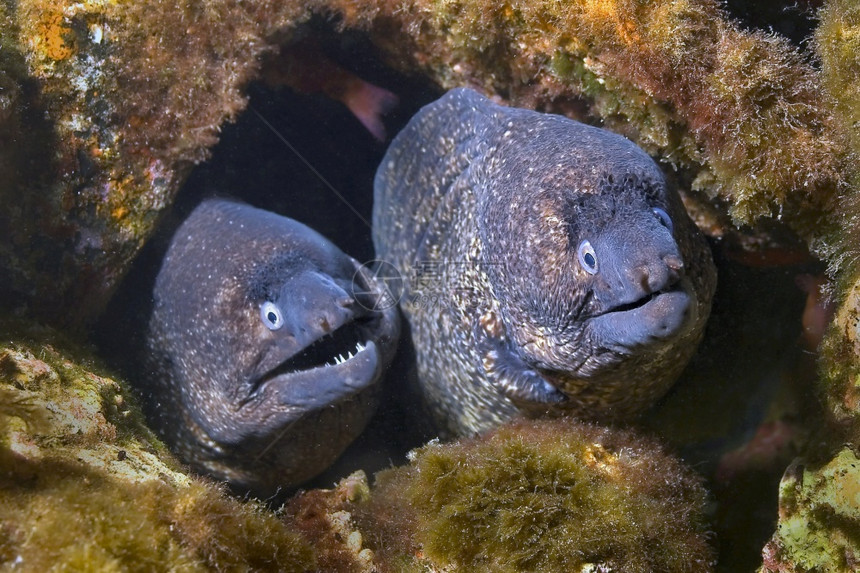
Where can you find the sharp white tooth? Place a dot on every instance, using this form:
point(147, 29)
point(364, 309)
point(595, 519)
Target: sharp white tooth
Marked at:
point(359, 347)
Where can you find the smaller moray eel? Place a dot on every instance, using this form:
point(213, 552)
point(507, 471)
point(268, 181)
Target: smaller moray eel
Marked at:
point(551, 269)
point(264, 345)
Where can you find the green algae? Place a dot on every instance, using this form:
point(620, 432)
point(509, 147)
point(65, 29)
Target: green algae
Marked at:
point(74, 518)
point(840, 364)
point(837, 43)
point(541, 496)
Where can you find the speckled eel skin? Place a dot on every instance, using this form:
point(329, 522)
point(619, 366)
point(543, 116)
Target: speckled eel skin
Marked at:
point(549, 268)
point(265, 347)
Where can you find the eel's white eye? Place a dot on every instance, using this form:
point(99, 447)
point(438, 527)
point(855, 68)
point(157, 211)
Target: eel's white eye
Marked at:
point(664, 217)
point(587, 257)
point(271, 315)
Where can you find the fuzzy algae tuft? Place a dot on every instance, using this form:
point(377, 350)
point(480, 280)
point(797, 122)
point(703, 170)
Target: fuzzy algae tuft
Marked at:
point(837, 40)
point(837, 43)
point(840, 364)
point(84, 486)
point(545, 496)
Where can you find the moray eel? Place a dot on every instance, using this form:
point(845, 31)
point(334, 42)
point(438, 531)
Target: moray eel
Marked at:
point(265, 347)
point(548, 267)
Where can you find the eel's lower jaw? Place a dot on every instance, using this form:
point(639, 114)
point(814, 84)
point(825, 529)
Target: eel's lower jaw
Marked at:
point(650, 320)
point(318, 387)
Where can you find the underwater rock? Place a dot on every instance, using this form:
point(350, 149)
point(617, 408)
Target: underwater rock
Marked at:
point(819, 518)
point(266, 347)
point(84, 485)
point(550, 496)
point(837, 44)
point(551, 269)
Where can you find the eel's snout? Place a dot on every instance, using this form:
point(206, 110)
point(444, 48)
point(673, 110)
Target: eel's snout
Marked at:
point(314, 305)
point(646, 298)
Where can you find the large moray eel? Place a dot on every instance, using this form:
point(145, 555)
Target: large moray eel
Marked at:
point(550, 268)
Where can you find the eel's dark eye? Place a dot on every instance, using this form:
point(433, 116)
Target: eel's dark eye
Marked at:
point(271, 315)
point(587, 257)
point(664, 217)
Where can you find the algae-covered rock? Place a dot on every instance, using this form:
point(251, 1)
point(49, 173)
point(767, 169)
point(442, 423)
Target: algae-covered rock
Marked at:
point(837, 43)
point(837, 40)
point(840, 364)
point(540, 496)
point(84, 486)
point(819, 518)
point(744, 110)
point(104, 108)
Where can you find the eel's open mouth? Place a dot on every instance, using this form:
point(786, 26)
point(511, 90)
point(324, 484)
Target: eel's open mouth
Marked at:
point(333, 367)
point(329, 350)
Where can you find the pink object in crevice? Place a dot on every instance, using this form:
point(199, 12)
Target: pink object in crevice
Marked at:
point(304, 67)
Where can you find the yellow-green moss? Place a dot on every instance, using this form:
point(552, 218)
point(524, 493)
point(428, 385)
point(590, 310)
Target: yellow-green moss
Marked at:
point(67, 517)
point(85, 486)
point(840, 362)
point(543, 496)
point(837, 41)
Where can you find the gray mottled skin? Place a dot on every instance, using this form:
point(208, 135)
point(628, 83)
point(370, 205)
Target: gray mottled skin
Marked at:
point(484, 209)
point(259, 407)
